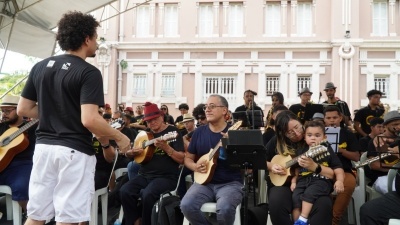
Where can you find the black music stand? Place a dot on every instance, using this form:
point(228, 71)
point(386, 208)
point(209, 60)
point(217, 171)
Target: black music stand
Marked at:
point(245, 150)
point(251, 118)
point(311, 109)
point(384, 150)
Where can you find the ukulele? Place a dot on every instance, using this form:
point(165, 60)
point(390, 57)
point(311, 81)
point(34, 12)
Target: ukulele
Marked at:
point(287, 161)
point(12, 142)
point(210, 161)
point(146, 141)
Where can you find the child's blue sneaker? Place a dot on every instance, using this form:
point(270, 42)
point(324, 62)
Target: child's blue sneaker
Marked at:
point(299, 222)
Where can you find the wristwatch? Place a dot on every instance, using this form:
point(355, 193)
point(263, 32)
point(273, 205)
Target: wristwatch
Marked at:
point(318, 169)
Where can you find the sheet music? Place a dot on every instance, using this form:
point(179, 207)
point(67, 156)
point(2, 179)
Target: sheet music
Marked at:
point(332, 135)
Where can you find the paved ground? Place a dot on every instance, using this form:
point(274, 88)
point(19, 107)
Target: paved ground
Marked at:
point(113, 213)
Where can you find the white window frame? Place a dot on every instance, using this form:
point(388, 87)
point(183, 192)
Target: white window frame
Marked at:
point(303, 81)
point(225, 85)
point(171, 20)
point(304, 19)
point(272, 24)
point(236, 19)
point(380, 18)
point(143, 21)
point(272, 84)
point(139, 85)
point(205, 20)
point(168, 85)
point(382, 83)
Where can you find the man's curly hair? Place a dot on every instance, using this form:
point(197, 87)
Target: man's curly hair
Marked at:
point(198, 111)
point(73, 28)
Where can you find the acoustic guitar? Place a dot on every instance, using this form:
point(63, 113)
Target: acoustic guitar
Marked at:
point(146, 141)
point(12, 142)
point(287, 161)
point(371, 160)
point(210, 161)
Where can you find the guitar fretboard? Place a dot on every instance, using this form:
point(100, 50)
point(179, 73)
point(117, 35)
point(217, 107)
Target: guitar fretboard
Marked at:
point(19, 131)
point(233, 127)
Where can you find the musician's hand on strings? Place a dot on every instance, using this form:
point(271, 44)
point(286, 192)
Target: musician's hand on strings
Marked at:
point(395, 150)
point(163, 145)
point(201, 166)
point(307, 163)
point(134, 152)
point(339, 187)
point(278, 169)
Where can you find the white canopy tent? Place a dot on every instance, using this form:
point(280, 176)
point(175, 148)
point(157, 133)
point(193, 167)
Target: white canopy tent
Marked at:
point(26, 26)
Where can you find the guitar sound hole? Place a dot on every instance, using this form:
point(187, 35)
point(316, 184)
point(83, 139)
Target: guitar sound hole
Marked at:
point(5, 141)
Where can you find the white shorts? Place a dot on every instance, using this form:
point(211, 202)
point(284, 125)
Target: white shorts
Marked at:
point(61, 184)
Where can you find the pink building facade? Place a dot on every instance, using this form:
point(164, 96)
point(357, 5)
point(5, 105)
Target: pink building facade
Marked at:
point(182, 51)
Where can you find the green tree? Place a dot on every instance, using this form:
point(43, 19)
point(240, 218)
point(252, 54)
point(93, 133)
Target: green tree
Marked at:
point(7, 81)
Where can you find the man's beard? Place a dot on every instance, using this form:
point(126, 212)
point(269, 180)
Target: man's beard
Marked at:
point(11, 121)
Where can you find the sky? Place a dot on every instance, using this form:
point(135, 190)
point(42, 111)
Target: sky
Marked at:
point(15, 62)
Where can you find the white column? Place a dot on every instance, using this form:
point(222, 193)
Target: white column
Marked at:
point(199, 87)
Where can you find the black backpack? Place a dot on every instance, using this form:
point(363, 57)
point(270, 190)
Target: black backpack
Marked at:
point(167, 211)
point(258, 215)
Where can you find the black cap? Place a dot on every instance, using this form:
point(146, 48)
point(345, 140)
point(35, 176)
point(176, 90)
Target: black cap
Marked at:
point(253, 92)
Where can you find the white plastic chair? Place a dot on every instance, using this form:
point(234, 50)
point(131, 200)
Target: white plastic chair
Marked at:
point(358, 198)
point(14, 211)
point(211, 207)
point(391, 176)
point(103, 194)
point(394, 222)
point(262, 187)
point(119, 173)
point(371, 192)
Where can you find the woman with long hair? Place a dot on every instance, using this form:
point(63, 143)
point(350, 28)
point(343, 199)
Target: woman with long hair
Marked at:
point(289, 137)
point(167, 118)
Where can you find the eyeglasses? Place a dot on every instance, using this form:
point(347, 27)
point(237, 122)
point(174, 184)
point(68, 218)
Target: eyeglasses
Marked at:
point(201, 118)
point(7, 111)
point(163, 108)
point(211, 106)
point(296, 130)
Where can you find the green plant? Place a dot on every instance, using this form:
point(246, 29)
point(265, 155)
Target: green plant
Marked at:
point(123, 64)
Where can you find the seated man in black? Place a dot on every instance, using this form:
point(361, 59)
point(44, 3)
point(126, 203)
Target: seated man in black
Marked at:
point(158, 175)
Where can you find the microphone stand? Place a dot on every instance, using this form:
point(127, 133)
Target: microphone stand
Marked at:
point(252, 113)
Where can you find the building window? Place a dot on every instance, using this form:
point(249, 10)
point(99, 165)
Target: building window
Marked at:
point(303, 82)
point(304, 19)
point(143, 21)
point(380, 18)
point(206, 20)
point(381, 83)
point(272, 85)
point(221, 85)
point(171, 20)
point(236, 20)
point(273, 20)
point(168, 85)
point(139, 85)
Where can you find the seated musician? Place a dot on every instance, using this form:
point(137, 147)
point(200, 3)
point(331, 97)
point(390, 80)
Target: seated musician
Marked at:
point(348, 150)
point(225, 187)
point(158, 175)
point(17, 173)
point(378, 174)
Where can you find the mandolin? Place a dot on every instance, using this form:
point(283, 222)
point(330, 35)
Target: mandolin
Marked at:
point(12, 142)
point(210, 160)
point(287, 161)
point(145, 140)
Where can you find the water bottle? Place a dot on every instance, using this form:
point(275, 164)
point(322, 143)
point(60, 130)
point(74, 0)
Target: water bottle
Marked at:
point(117, 222)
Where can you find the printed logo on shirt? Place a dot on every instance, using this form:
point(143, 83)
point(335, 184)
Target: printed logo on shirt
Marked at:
point(50, 63)
point(66, 66)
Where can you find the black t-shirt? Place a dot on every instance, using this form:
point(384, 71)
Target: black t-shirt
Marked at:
point(26, 154)
point(162, 165)
point(101, 163)
point(329, 160)
point(364, 143)
point(348, 141)
point(244, 108)
point(267, 135)
point(60, 85)
point(372, 152)
point(364, 116)
point(344, 108)
point(299, 111)
point(179, 119)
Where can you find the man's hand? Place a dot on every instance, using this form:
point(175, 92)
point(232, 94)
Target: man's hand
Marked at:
point(123, 143)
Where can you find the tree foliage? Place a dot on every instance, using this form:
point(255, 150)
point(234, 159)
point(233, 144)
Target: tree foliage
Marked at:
point(7, 81)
